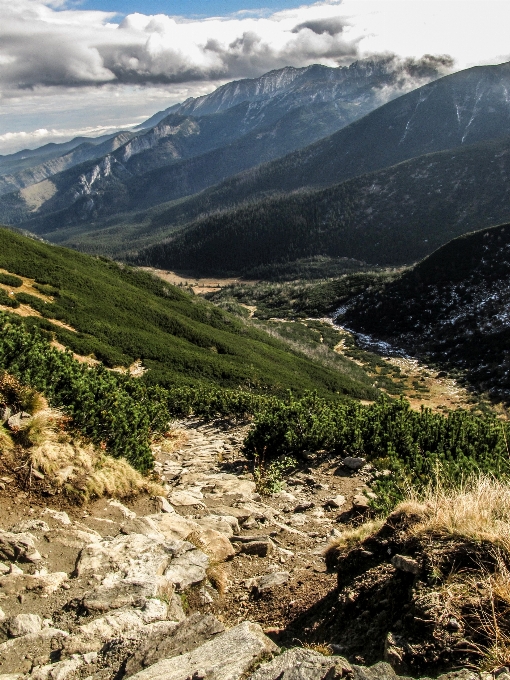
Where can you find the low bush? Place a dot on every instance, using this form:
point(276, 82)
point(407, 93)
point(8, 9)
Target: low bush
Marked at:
point(415, 446)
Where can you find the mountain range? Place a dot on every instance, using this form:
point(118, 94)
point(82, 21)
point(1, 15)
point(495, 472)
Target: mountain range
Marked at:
point(202, 142)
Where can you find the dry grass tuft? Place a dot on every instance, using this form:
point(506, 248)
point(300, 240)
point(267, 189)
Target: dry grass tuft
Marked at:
point(46, 453)
point(323, 649)
point(478, 511)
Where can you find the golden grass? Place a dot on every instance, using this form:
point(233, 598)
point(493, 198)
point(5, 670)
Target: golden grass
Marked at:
point(43, 452)
point(478, 511)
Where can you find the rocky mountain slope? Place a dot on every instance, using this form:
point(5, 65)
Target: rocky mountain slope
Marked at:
point(453, 306)
point(270, 116)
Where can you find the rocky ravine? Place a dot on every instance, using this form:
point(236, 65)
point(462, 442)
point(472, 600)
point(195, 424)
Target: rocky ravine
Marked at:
point(192, 586)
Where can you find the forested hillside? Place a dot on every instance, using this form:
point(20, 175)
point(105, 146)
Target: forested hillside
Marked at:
point(392, 217)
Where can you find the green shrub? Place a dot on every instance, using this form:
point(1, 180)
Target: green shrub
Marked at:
point(10, 280)
point(415, 446)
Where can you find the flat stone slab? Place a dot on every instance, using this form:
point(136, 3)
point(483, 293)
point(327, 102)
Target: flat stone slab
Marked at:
point(228, 656)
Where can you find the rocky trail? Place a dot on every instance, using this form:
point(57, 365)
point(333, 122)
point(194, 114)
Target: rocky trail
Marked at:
point(210, 582)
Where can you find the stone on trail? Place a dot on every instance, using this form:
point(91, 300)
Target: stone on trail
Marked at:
point(258, 548)
point(29, 525)
point(302, 664)
point(164, 505)
point(406, 564)
point(186, 498)
point(262, 584)
point(195, 631)
point(24, 624)
point(225, 524)
point(361, 502)
point(228, 656)
point(335, 502)
point(18, 547)
point(354, 463)
point(57, 671)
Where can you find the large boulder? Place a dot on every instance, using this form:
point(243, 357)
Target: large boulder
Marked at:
point(132, 568)
point(228, 656)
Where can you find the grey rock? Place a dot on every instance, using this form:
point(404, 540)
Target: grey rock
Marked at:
point(335, 502)
point(262, 584)
point(250, 523)
point(361, 502)
point(354, 463)
point(190, 634)
point(380, 671)
point(240, 513)
point(227, 656)
point(5, 414)
point(29, 525)
point(406, 564)
point(175, 610)
point(188, 569)
point(164, 505)
point(462, 674)
point(306, 505)
point(24, 624)
point(302, 664)
point(18, 547)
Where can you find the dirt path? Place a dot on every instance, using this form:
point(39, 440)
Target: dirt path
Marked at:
point(297, 523)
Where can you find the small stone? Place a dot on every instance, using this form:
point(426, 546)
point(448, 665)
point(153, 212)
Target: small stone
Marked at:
point(335, 502)
point(302, 507)
point(354, 463)
point(164, 505)
point(259, 548)
point(406, 564)
point(58, 516)
point(453, 624)
point(18, 420)
point(360, 502)
point(250, 524)
point(24, 624)
point(261, 584)
point(90, 657)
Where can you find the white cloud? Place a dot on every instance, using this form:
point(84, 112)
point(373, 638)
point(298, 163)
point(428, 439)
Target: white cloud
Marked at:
point(50, 54)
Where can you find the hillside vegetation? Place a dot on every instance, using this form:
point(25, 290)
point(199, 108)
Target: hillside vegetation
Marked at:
point(120, 315)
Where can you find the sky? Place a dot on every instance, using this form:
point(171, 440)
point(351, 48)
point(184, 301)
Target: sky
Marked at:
point(87, 67)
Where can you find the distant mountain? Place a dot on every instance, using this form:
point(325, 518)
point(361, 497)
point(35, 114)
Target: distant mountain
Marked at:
point(206, 140)
point(14, 162)
point(83, 152)
point(391, 217)
point(453, 307)
point(290, 87)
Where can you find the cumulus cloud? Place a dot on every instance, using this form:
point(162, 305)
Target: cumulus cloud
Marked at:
point(45, 45)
